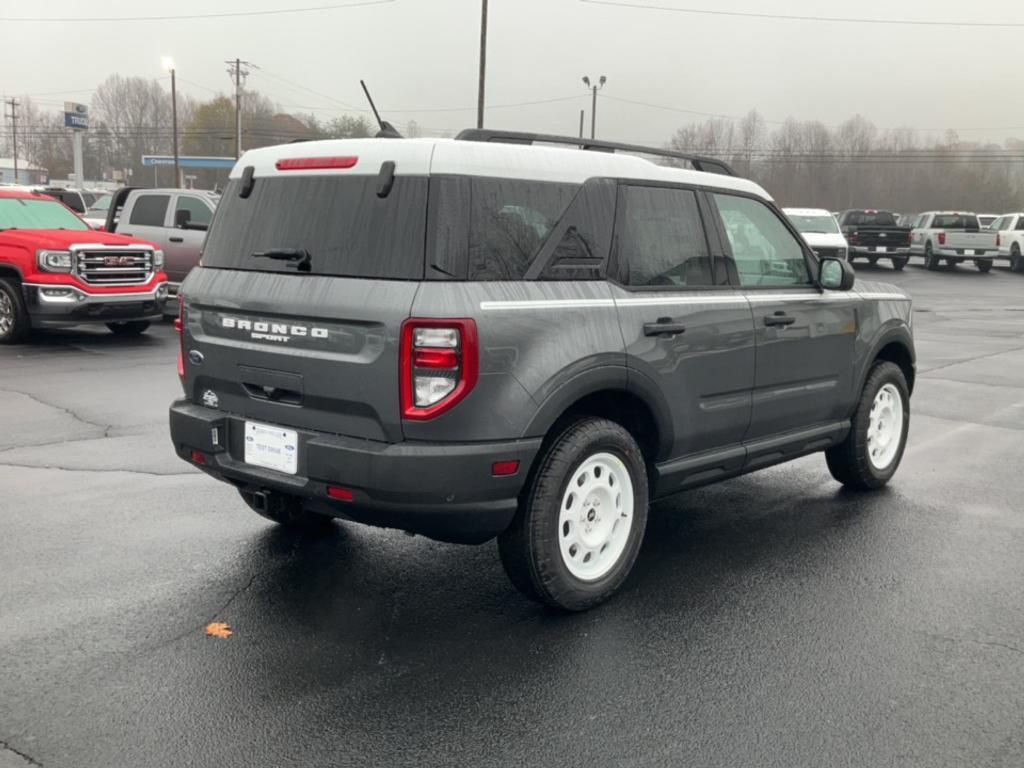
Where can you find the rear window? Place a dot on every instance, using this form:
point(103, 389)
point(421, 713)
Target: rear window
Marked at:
point(954, 221)
point(870, 219)
point(346, 229)
point(150, 210)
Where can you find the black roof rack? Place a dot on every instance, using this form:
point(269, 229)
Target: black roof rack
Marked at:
point(699, 163)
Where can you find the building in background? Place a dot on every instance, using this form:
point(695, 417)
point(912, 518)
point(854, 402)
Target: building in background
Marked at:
point(27, 173)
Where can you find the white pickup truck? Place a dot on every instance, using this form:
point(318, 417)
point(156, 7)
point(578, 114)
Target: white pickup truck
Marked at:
point(1009, 229)
point(952, 237)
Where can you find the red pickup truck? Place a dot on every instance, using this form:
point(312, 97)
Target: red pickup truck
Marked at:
point(56, 272)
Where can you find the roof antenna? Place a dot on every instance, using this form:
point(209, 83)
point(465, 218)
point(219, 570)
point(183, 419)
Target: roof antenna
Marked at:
point(387, 130)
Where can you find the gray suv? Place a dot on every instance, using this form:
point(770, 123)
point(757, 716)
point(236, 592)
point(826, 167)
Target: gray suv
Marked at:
point(495, 335)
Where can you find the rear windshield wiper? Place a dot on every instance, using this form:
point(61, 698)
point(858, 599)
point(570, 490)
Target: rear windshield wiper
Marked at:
point(300, 257)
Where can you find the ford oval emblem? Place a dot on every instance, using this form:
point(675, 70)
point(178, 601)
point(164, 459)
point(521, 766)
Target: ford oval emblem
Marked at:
point(195, 357)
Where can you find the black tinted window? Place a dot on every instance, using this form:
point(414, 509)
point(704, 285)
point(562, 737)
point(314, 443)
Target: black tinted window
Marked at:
point(150, 210)
point(339, 220)
point(954, 221)
point(1020, 223)
point(509, 221)
point(870, 219)
point(662, 239)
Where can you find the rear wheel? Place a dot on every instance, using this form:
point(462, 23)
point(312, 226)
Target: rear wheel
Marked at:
point(983, 265)
point(581, 519)
point(872, 450)
point(14, 321)
point(899, 263)
point(283, 509)
point(129, 327)
point(1016, 262)
point(931, 261)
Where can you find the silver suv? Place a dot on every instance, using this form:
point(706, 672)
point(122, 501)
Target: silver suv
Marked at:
point(488, 337)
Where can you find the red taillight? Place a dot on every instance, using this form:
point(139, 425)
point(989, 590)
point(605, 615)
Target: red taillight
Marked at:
point(179, 326)
point(198, 458)
point(999, 239)
point(315, 163)
point(437, 359)
point(942, 238)
point(504, 468)
point(438, 365)
point(340, 494)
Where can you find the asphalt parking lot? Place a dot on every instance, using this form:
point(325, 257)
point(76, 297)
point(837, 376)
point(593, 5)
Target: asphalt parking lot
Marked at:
point(773, 620)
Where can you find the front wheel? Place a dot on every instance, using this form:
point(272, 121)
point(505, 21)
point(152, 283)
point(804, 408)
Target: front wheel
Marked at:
point(872, 450)
point(129, 328)
point(581, 519)
point(983, 265)
point(14, 320)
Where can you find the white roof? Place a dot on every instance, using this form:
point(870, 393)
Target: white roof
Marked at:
point(422, 157)
point(806, 212)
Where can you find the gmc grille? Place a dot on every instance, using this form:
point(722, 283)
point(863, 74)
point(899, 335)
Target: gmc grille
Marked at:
point(115, 267)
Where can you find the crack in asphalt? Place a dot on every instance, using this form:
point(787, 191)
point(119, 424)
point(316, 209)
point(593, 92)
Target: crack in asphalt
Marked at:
point(27, 758)
point(924, 372)
point(82, 469)
point(105, 427)
point(989, 643)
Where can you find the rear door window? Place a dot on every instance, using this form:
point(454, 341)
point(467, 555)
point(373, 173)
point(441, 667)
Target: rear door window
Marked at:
point(340, 221)
point(661, 238)
point(150, 210)
point(764, 250)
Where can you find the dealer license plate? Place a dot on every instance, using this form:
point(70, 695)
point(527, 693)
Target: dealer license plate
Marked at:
point(271, 447)
point(969, 252)
point(879, 249)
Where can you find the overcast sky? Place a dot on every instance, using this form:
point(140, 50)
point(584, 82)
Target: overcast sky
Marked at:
point(422, 55)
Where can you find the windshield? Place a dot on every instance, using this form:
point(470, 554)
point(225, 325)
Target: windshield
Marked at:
point(19, 213)
point(870, 219)
point(101, 204)
point(816, 224)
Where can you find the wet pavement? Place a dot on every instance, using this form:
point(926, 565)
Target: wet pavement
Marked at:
point(773, 620)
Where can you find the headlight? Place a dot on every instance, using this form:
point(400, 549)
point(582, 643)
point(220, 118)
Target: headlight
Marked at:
point(158, 259)
point(54, 261)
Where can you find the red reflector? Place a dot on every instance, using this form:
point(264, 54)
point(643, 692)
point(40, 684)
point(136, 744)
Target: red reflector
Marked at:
point(445, 359)
point(504, 468)
point(198, 458)
point(315, 163)
point(341, 494)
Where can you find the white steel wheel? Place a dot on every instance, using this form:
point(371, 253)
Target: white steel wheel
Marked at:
point(885, 426)
point(596, 516)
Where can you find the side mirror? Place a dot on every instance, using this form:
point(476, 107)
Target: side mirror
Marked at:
point(182, 217)
point(836, 275)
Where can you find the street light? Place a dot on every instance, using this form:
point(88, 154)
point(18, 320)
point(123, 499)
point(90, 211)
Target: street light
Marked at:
point(168, 63)
point(593, 104)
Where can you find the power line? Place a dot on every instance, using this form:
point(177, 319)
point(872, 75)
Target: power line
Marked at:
point(825, 19)
point(189, 17)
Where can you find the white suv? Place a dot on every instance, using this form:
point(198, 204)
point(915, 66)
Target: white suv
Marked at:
point(821, 231)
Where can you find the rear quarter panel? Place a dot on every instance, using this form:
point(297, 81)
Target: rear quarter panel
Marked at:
point(541, 343)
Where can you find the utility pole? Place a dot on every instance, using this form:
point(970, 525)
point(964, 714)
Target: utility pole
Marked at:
point(237, 70)
point(483, 66)
point(13, 103)
point(593, 104)
point(169, 66)
point(581, 123)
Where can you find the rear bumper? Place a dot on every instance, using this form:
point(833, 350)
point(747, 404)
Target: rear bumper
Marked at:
point(441, 490)
point(870, 250)
point(980, 253)
point(61, 306)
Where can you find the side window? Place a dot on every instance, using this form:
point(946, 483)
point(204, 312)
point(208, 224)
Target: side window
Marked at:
point(73, 201)
point(197, 210)
point(150, 210)
point(1020, 224)
point(765, 252)
point(661, 240)
point(999, 224)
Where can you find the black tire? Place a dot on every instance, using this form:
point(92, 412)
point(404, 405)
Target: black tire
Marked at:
point(849, 461)
point(129, 327)
point(1016, 262)
point(284, 510)
point(984, 265)
point(872, 260)
point(931, 261)
point(531, 547)
point(14, 321)
point(899, 263)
